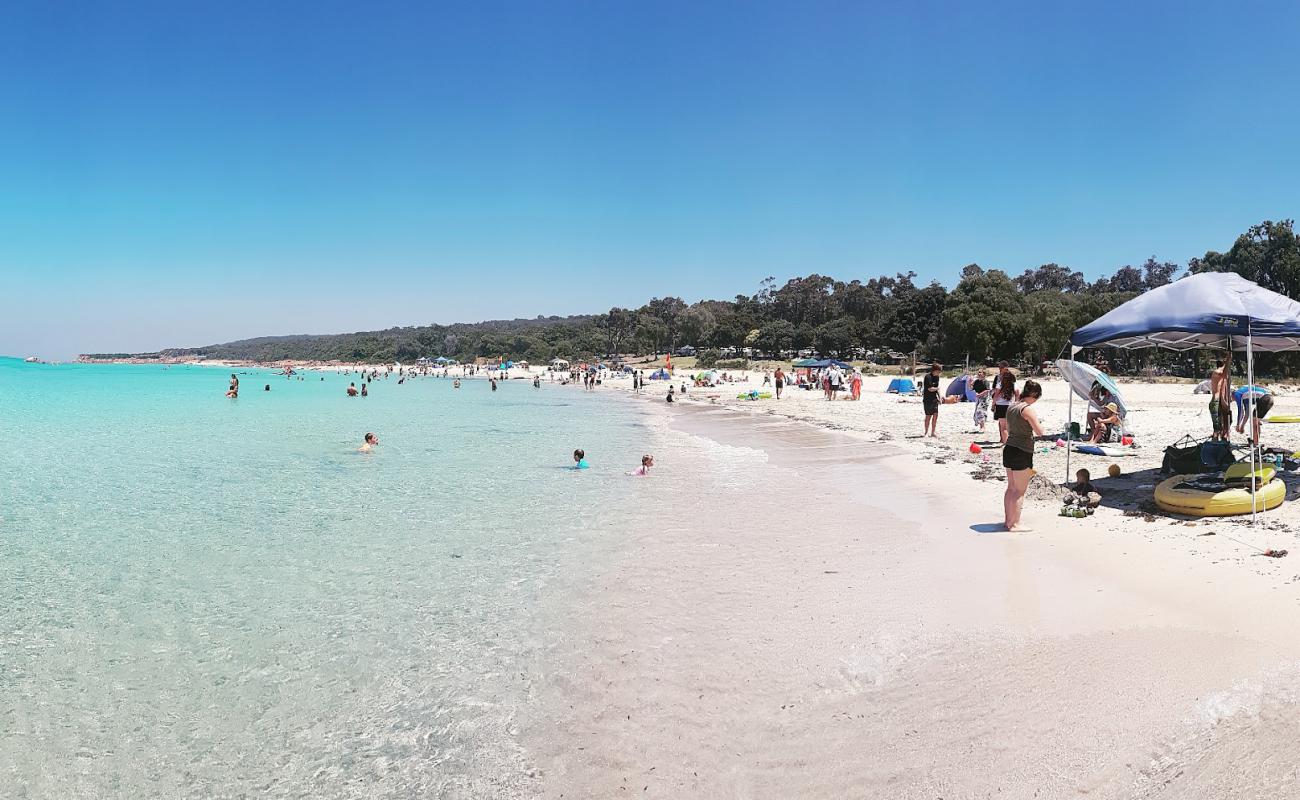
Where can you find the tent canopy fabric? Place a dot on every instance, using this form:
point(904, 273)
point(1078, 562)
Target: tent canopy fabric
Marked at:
point(901, 386)
point(1199, 311)
point(961, 387)
point(805, 363)
point(828, 362)
point(660, 375)
point(1083, 377)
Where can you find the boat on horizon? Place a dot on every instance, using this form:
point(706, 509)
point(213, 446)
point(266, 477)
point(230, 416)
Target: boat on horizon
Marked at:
point(32, 360)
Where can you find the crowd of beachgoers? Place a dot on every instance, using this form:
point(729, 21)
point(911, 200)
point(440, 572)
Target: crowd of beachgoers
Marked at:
point(1103, 454)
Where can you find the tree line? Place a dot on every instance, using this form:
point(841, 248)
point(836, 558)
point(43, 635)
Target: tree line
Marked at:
point(988, 314)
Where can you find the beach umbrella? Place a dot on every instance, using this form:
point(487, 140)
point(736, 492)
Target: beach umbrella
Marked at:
point(1082, 377)
point(1206, 310)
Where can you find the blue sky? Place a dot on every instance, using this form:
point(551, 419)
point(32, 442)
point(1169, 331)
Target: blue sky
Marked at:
point(188, 173)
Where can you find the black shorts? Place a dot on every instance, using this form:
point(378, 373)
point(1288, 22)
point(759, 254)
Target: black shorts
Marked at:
point(931, 404)
point(1016, 459)
point(1000, 412)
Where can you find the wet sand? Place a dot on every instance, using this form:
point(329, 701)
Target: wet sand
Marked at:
point(841, 620)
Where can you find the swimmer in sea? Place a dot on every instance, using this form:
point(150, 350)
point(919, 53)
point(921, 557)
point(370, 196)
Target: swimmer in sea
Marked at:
point(455, 384)
point(371, 441)
point(268, 388)
point(234, 384)
point(580, 459)
point(647, 461)
point(352, 390)
point(365, 391)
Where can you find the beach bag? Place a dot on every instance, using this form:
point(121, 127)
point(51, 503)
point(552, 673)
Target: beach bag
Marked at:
point(1183, 457)
point(1216, 456)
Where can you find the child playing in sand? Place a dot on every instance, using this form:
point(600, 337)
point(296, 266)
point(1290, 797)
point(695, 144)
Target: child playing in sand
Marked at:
point(580, 459)
point(1083, 486)
point(1083, 498)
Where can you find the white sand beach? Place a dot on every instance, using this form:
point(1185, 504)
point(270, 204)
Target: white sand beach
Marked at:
point(848, 622)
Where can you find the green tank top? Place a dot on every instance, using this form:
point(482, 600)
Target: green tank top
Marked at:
point(1019, 434)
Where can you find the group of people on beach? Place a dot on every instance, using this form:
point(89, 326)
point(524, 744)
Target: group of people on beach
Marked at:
point(1000, 395)
point(1223, 398)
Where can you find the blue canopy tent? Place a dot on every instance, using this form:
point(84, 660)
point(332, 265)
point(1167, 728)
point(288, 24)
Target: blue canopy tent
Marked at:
point(901, 386)
point(829, 362)
point(660, 374)
point(1210, 309)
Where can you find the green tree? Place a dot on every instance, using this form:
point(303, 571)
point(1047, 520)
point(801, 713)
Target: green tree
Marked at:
point(985, 316)
point(1268, 254)
point(775, 336)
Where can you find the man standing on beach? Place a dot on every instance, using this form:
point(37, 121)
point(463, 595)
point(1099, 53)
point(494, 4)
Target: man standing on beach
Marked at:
point(834, 378)
point(1221, 399)
point(780, 381)
point(930, 401)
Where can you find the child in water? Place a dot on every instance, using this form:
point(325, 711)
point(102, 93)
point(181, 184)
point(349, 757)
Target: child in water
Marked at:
point(371, 441)
point(580, 459)
point(647, 461)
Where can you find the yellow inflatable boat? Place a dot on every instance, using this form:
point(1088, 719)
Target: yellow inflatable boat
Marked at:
point(1170, 496)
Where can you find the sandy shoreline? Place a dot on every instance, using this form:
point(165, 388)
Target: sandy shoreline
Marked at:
point(896, 648)
point(839, 617)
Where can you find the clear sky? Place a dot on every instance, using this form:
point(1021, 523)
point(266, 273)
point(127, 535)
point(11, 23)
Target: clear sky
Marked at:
point(183, 173)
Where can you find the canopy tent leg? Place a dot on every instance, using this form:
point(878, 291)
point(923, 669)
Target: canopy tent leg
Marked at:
point(1250, 422)
point(1069, 424)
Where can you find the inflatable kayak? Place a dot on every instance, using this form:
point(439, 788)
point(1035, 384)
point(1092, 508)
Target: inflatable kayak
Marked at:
point(754, 396)
point(1240, 473)
point(1175, 496)
point(1283, 418)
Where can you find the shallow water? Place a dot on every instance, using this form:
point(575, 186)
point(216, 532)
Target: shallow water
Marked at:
point(212, 597)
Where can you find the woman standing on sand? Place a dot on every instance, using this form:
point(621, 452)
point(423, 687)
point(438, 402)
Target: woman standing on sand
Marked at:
point(1018, 454)
point(1004, 394)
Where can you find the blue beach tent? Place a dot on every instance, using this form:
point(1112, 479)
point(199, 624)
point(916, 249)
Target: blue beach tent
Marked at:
point(901, 386)
point(961, 387)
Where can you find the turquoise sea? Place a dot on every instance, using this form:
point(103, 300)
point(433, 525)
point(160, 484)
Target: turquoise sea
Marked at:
point(204, 597)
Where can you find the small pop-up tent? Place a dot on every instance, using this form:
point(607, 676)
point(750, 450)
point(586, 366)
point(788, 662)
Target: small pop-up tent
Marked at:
point(961, 387)
point(1209, 309)
point(660, 374)
point(901, 386)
